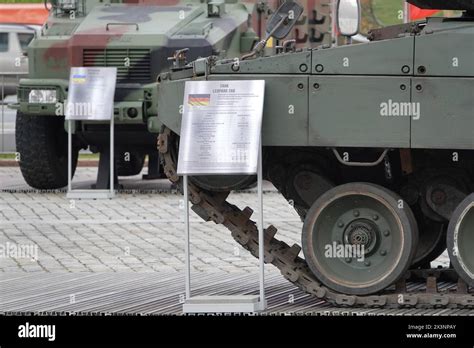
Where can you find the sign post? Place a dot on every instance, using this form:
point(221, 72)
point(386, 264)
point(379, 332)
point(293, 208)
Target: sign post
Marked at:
point(91, 98)
point(221, 135)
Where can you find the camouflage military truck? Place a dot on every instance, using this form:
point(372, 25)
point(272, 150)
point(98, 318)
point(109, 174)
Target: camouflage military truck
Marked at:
point(374, 146)
point(135, 36)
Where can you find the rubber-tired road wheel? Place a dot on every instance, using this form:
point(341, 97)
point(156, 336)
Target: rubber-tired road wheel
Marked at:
point(460, 240)
point(133, 166)
point(41, 142)
point(359, 238)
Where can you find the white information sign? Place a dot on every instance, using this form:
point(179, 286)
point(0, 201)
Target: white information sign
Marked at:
point(91, 97)
point(91, 94)
point(221, 127)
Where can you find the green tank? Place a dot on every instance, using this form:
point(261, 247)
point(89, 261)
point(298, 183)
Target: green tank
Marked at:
point(373, 145)
point(135, 36)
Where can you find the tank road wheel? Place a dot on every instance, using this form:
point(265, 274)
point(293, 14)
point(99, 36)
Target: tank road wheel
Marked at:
point(41, 142)
point(431, 243)
point(461, 240)
point(359, 238)
point(304, 185)
point(223, 183)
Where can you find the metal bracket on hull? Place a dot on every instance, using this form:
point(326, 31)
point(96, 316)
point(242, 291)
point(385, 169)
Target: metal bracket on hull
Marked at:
point(360, 164)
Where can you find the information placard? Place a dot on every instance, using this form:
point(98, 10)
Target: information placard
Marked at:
point(91, 97)
point(221, 127)
point(91, 94)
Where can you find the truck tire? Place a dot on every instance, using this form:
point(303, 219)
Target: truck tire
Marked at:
point(41, 142)
point(132, 167)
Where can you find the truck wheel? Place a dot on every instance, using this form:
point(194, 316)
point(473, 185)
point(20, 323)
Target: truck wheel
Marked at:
point(41, 142)
point(133, 166)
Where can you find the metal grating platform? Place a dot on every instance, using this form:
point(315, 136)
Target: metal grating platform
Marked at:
point(161, 293)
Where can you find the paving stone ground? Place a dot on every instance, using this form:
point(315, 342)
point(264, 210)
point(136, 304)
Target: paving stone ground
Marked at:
point(141, 230)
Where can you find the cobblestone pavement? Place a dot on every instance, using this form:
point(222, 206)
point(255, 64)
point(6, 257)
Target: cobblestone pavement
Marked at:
point(139, 231)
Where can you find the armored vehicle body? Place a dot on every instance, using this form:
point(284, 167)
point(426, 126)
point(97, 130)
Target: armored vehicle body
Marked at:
point(374, 146)
point(137, 37)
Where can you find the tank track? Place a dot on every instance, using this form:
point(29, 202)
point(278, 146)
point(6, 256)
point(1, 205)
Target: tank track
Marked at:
point(211, 206)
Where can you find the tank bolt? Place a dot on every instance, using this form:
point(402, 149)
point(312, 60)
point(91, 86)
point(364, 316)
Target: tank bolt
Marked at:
point(303, 68)
point(383, 252)
point(340, 224)
point(422, 69)
point(367, 263)
point(386, 233)
point(300, 86)
point(356, 213)
point(375, 217)
point(419, 88)
point(348, 260)
point(319, 68)
point(403, 87)
point(316, 86)
point(405, 69)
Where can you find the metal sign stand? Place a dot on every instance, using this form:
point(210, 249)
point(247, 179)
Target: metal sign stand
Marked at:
point(90, 194)
point(91, 89)
point(221, 135)
point(226, 304)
